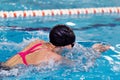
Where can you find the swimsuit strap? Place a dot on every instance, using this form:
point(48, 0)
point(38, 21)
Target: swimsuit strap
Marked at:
point(24, 53)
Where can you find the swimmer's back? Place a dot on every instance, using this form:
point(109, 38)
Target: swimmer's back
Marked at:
point(42, 55)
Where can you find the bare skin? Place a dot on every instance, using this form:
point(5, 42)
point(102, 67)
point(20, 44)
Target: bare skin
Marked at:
point(45, 54)
point(100, 47)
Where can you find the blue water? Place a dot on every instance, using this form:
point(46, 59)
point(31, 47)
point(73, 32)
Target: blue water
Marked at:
point(15, 34)
point(52, 4)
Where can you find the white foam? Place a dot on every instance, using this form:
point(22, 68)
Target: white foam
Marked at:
point(111, 61)
point(118, 45)
point(9, 73)
point(116, 56)
point(113, 49)
point(70, 23)
point(115, 65)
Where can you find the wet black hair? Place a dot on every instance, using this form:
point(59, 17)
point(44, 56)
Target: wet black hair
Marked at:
point(61, 35)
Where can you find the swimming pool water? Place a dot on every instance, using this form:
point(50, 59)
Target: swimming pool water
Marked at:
point(88, 29)
point(52, 4)
point(16, 33)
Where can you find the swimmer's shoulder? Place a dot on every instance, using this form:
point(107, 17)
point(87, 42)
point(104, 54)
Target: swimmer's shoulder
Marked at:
point(39, 41)
point(55, 56)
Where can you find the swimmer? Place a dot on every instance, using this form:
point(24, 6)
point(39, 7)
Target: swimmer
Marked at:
point(39, 51)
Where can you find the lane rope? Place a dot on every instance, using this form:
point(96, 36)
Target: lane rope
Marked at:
point(58, 12)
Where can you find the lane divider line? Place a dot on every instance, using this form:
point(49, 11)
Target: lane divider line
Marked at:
point(58, 12)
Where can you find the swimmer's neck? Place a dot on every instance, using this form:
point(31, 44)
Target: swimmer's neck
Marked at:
point(58, 49)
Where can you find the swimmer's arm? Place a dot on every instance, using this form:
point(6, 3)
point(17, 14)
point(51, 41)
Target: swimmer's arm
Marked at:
point(100, 48)
point(13, 61)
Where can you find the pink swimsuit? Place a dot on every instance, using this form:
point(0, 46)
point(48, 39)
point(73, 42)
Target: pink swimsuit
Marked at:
point(24, 53)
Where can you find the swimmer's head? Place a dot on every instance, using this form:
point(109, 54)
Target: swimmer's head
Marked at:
point(62, 35)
